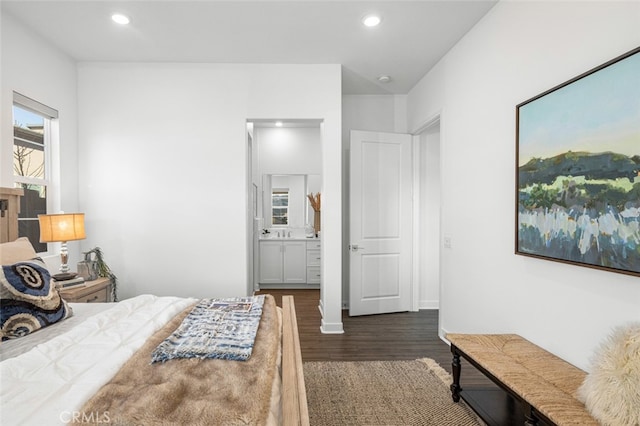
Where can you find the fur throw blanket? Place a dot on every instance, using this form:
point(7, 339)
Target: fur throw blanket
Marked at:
point(193, 391)
point(611, 391)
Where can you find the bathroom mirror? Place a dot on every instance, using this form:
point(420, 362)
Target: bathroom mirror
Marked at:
point(285, 202)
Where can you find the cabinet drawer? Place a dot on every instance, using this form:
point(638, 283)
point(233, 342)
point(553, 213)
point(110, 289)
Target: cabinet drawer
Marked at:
point(97, 291)
point(100, 296)
point(313, 245)
point(313, 274)
point(313, 257)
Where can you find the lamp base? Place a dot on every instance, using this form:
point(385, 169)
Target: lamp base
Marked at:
point(64, 276)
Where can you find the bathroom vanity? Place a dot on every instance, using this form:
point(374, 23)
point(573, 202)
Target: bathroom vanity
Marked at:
point(285, 257)
point(289, 263)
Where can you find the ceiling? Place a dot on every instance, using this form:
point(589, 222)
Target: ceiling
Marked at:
point(411, 38)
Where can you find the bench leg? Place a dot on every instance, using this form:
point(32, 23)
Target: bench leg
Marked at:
point(529, 418)
point(455, 368)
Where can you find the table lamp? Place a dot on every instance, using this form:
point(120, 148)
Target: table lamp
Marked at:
point(61, 228)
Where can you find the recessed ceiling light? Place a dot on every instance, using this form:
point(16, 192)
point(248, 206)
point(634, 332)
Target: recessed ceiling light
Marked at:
point(121, 19)
point(278, 123)
point(371, 20)
point(384, 79)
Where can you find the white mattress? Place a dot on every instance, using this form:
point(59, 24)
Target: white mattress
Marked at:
point(50, 374)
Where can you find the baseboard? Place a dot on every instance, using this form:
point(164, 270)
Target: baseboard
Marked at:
point(441, 334)
point(331, 328)
point(290, 286)
point(429, 304)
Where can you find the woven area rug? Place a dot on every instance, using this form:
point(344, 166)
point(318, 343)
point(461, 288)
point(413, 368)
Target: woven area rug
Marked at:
point(382, 393)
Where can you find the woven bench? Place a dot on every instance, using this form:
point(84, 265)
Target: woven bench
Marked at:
point(543, 385)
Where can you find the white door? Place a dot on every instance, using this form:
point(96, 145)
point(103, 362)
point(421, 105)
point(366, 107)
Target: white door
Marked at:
point(380, 223)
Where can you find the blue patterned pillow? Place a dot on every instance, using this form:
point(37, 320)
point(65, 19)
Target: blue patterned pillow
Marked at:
point(29, 300)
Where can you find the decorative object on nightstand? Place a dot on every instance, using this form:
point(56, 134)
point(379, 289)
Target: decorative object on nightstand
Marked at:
point(60, 228)
point(104, 270)
point(88, 268)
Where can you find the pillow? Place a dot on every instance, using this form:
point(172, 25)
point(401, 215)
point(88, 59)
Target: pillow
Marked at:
point(611, 390)
point(16, 251)
point(29, 299)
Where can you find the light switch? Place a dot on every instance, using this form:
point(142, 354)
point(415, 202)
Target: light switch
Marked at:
point(447, 241)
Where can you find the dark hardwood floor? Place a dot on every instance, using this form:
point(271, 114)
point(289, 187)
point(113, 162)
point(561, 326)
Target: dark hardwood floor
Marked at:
point(399, 336)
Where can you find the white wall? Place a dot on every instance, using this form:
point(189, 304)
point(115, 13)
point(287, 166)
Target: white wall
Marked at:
point(376, 113)
point(517, 51)
point(289, 150)
point(34, 68)
point(163, 169)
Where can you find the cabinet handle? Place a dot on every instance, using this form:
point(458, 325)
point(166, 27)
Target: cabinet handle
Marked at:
point(92, 299)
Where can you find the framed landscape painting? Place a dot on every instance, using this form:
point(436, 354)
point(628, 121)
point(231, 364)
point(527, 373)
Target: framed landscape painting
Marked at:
point(578, 170)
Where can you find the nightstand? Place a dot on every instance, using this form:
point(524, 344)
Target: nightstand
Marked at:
point(95, 291)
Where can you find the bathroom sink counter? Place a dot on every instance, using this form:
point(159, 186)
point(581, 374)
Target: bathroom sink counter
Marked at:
point(262, 237)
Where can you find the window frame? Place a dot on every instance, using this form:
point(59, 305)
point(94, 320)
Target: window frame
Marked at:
point(50, 144)
point(280, 191)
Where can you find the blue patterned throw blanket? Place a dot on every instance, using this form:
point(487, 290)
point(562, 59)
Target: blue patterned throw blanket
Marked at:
point(215, 328)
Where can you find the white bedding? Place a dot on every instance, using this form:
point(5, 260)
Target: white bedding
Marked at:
point(81, 311)
point(45, 385)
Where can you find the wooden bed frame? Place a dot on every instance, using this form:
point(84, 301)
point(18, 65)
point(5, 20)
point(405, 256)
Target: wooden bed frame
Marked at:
point(294, 394)
point(9, 209)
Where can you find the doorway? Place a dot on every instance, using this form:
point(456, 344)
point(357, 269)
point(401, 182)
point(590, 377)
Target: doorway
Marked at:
point(284, 162)
point(427, 148)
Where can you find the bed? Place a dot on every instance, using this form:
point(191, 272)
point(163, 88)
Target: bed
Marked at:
point(92, 365)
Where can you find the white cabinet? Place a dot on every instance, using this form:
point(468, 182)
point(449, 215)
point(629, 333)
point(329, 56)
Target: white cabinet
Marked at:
point(313, 262)
point(294, 258)
point(270, 262)
point(283, 262)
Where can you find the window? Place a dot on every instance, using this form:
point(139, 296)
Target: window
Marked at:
point(280, 207)
point(32, 137)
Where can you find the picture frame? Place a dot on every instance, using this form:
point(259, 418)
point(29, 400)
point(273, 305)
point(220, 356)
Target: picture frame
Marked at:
point(578, 170)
